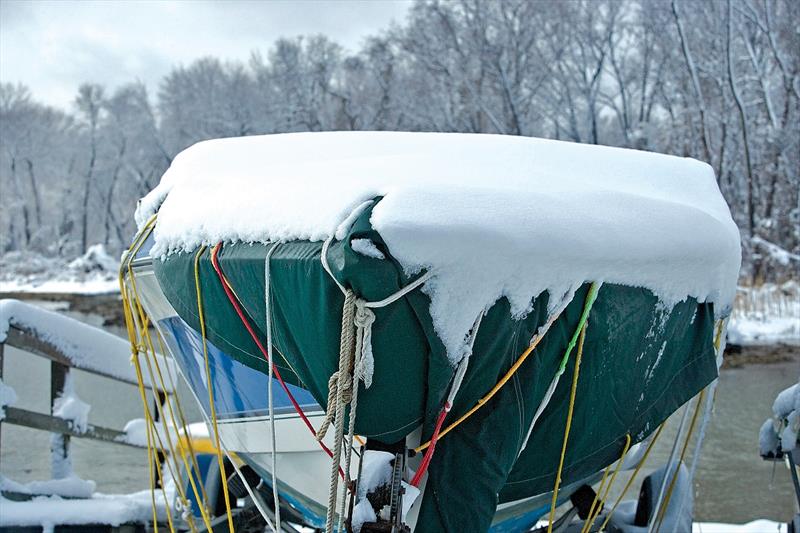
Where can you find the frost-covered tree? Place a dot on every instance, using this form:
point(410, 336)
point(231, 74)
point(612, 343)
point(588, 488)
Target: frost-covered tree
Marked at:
point(718, 81)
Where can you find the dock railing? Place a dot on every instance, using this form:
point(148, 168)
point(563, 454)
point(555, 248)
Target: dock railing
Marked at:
point(67, 344)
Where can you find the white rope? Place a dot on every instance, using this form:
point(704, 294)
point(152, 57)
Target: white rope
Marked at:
point(548, 395)
point(461, 370)
point(259, 503)
point(343, 383)
point(268, 315)
point(356, 363)
point(399, 294)
point(361, 316)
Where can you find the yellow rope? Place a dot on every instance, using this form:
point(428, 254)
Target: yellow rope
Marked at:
point(129, 323)
point(189, 440)
point(570, 411)
point(201, 501)
point(599, 501)
point(668, 495)
point(147, 348)
point(720, 327)
point(212, 407)
point(138, 329)
point(151, 461)
point(499, 385)
point(633, 476)
point(152, 450)
point(600, 488)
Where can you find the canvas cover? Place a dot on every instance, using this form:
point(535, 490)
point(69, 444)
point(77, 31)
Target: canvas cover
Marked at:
point(641, 361)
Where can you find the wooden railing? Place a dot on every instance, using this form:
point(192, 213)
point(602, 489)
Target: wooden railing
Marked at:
point(29, 340)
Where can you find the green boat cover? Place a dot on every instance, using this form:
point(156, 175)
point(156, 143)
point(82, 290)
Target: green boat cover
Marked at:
point(640, 363)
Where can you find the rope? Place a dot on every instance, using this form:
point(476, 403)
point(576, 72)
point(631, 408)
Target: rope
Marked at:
point(183, 423)
point(670, 462)
point(458, 379)
point(152, 361)
point(139, 329)
point(336, 400)
point(599, 501)
point(134, 353)
point(232, 299)
point(633, 477)
point(537, 338)
point(570, 411)
point(362, 319)
point(665, 503)
point(212, 408)
point(268, 319)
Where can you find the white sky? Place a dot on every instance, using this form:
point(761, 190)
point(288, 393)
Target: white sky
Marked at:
point(53, 46)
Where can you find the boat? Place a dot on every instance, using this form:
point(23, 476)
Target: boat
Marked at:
point(434, 332)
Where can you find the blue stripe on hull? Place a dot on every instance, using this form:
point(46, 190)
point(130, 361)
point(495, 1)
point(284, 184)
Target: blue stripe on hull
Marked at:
point(239, 391)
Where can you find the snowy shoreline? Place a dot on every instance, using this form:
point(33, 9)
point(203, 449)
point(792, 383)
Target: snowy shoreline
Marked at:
point(763, 316)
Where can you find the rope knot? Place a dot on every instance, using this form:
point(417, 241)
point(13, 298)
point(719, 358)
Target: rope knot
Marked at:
point(365, 317)
point(363, 320)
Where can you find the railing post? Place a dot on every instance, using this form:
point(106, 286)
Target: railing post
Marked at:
point(2, 349)
point(60, 461)
point(158, 404)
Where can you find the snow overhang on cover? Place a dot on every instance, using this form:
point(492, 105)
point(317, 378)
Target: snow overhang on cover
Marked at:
point(488, 215)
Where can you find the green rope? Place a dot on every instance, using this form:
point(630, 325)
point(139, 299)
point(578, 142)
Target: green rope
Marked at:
point(590, 299)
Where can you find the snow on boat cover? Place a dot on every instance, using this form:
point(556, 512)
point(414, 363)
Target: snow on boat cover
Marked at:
point(545, 215)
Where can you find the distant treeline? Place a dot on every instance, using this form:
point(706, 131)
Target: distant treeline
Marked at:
point(718, 81)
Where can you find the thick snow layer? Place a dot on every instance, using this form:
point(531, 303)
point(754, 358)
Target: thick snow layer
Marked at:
point(362, 513)
point(69, 487)
point(86, 346)
point(136, 432)
point(787, 401)
point(68, 406)
point(487, 215)
point(111, 509)
point(784, 426)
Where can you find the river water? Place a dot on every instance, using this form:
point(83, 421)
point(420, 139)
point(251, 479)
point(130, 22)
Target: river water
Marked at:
point(732, 483)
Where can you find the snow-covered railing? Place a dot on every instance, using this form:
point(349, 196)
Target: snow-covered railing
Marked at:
point(74, 344)
point(69, 344)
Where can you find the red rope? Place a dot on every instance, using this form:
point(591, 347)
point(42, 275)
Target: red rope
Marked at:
point(238, 309)
point(426, 460)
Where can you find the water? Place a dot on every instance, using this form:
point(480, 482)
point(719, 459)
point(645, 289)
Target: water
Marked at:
point(732, 483)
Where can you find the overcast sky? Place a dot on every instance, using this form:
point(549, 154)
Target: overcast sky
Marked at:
point(53, 46)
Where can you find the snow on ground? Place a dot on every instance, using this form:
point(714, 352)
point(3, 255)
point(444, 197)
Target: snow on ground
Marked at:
point(766, 315)
point(487, 215)
point(95, 272)
point(86, 346)
point(756, 526)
